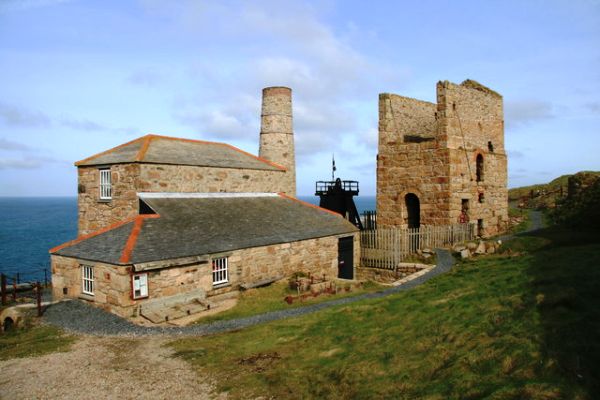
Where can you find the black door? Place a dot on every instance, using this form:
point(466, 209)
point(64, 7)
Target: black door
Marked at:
point(346, 258)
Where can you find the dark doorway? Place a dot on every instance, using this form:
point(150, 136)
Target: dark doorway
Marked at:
point(413, 208)
point(346, 258)
point(480, 227)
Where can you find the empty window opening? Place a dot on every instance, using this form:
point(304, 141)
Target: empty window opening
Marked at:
point(479, 227)
point(219, 271)
point(87, 279)
point(481, 197)
point(464, 211)
point(140, 286)
point(490, 147)
point(479, 168)
point(105, 184)
point(413, 210)
point(464, 205)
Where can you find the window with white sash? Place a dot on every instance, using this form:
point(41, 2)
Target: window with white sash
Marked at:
point(140, 286)
point(219, 271)
point(87, 279)
point(105, 184)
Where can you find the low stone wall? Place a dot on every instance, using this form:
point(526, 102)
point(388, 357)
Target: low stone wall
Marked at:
point(388, 275)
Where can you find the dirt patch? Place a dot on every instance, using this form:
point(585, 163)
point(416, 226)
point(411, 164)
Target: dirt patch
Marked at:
point(261, 361)
point(103, 368)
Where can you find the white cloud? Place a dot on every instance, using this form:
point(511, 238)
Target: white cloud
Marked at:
point(145, 77)
point(20, 117)
point(527, 111)
point(29, 162)
point(12, 146)
point(19, 5)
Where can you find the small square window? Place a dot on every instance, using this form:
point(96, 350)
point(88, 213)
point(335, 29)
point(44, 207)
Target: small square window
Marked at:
point(105, 184)
point(140, 286)
point(87, 279)
point(219, 271)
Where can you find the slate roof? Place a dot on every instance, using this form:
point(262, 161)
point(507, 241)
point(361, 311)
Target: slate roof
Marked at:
point(168, 150)
point(199, 224)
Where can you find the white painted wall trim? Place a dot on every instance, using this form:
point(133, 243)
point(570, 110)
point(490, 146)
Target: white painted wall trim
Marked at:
point(166, 195)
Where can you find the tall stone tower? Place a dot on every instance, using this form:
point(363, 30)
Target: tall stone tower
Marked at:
point(444, 163)
point(277, 134)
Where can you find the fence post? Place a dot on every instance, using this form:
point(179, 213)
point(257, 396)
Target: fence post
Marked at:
point(39, 298)
point(45, 277)
point(18, 278)
point(3, 288)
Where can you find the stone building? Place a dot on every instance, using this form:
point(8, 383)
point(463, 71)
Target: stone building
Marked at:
point(444, 163)
point(109, 181)
point(167, 225)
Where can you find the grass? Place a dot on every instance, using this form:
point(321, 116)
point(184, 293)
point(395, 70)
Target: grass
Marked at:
point(519, 325)
point(271, 298)
point(33, 341)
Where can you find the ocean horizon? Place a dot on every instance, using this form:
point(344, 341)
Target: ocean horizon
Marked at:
point(33, 225)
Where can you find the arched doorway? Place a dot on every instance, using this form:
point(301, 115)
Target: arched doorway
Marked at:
point(413, 209)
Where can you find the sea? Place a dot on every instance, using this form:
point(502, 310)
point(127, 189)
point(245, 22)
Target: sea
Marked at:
point(30, 226)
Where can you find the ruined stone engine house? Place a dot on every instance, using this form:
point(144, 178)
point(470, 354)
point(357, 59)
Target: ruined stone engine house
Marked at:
point(444, 163)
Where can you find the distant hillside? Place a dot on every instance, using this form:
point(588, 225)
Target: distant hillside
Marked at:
point(581, 207)
point(545, 195)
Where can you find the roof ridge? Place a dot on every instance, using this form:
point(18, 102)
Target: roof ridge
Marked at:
point(152, 136)
point(77, 163)
point(307, 204)
point(99, 232)
point(142, 153)
point(278, 166)
point(133, 236)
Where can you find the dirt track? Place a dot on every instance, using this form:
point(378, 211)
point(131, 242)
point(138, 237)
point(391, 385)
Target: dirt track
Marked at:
point(104, 368)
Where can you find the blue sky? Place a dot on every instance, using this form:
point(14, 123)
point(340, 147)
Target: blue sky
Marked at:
point(78, 77)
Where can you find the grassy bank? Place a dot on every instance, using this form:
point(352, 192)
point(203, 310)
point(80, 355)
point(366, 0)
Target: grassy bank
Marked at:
point(33, 341)
point(271, 298)
point(524, 324)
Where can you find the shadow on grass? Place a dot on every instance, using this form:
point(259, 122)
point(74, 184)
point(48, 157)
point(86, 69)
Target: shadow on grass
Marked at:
point(565, 288)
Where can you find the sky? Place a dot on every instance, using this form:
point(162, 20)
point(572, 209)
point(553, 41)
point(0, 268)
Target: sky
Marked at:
point(79, 77)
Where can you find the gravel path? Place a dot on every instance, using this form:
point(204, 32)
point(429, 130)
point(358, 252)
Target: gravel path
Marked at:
point(79, 317)
point(537, 222)
point(106, 368)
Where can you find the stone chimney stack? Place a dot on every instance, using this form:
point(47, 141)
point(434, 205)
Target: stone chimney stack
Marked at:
point(277, 135)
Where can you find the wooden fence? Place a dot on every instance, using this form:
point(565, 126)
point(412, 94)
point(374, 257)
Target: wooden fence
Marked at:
point(386, 247)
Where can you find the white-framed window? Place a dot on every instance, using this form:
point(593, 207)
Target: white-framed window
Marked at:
point(140, 286)
point(87, 279)
point(105, 184)
point(219, 270)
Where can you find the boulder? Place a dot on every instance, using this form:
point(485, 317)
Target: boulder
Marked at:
point(491, 249)
point(480, 248)
point(472, 246)
point(458, 248)
point(427, 251)
point(464, 254)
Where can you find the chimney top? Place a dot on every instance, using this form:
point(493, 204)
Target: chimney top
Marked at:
point(277, 90)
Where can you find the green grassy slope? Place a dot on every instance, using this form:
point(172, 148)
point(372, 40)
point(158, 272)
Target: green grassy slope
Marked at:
point(522, 325)
point(544, 195)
